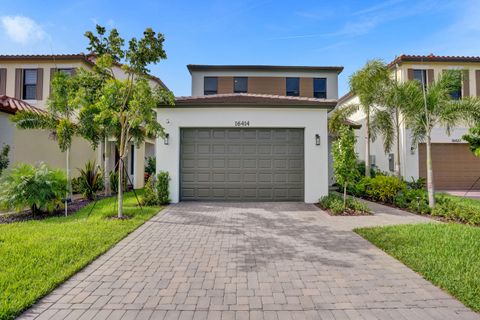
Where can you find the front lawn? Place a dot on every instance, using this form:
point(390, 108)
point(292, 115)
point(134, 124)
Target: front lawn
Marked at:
point(37, 256)
point(448, 255)
point(462, 200)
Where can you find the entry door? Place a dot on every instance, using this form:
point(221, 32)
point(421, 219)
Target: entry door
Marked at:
point(242, 164)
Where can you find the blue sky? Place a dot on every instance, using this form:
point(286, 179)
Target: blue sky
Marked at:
point(283, 32)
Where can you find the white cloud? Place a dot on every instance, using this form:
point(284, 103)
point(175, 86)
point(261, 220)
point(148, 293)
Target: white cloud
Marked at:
point(22, 30)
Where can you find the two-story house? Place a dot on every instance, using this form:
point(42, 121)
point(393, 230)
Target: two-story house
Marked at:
point(250, 133)
point(454, 166)
point(25, 84)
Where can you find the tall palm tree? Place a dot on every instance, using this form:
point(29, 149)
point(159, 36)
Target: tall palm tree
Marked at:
point(365, 83)
point(428, 106)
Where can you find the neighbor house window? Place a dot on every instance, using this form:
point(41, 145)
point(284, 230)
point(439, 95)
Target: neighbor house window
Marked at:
point(293, 87)
point(421, 76)
point(320, 88)
point(67, 71)
point(240, 84)
point(456, 94)
point(210, 85)
point(29, 84)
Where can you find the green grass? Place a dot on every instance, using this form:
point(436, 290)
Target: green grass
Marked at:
point(37, 256)
point(448, 255)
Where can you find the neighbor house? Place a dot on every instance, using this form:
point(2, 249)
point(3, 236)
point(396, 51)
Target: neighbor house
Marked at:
point(25, 85)
point(250, 133)
point(455, 167)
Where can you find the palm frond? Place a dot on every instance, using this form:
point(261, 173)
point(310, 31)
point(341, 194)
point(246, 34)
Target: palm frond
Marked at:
point(33, 120)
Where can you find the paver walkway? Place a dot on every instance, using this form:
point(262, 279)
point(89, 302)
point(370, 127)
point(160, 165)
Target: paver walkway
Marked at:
point(250, 261)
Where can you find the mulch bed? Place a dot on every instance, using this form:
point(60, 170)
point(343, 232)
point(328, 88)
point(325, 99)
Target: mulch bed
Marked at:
point(348, 213)
point(27, 215)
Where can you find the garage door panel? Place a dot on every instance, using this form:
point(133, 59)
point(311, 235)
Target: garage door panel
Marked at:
point(454, 166)
point(242, 164)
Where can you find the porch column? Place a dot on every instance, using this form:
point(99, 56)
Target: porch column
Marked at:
point(139, 167)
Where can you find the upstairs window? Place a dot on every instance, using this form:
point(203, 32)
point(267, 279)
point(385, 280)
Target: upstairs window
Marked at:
point(293, 87)
point(29, 84)
point(421, 76)
point(210, 85)
point(456, 94)
point(240, 85)
point(320, 88)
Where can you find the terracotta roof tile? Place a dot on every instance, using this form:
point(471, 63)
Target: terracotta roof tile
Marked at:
point(12, 105)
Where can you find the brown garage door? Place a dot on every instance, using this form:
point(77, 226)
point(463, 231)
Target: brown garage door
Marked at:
point(454, 166)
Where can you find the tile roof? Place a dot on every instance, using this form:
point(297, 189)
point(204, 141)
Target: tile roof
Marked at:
point(249, 99)
point(432, 58)
point(11, 105)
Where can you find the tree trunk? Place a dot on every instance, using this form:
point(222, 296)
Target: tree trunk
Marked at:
point(345, 197)
point(397, 153)
point(367, 145)
point(120, 189)
point(69, 181)
point(430, 184)
point(106, 168)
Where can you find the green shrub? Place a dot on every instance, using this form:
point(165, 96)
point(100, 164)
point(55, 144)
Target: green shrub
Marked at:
point(76, 185)
point(4, 160)
point(418, 184)
point(36, 187)
point(334, 203)
point(415, 200)
point(456, 211)
point(150, 166)
point(163, 192)
point(150, 196)
point(361, 170)
point(90, 180)
point(383, 188)
point(114, 181)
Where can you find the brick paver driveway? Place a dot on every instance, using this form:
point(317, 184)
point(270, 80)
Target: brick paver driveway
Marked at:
point(257, 261)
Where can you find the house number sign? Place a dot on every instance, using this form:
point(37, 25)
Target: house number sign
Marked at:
point(242, 123)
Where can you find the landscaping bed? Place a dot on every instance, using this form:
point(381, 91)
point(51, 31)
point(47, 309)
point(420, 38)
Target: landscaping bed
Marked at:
point(448, 255)
point(411, 196)
point(333, 204)
point(38, 255)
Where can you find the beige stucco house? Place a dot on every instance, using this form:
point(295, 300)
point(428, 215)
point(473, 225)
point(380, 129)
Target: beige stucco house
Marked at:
point(455, 167)
point(25, 84)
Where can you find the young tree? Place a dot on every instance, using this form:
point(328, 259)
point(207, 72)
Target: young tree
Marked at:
point(127, 105)
point(428, 106)
point(364, 83)
point(59, 118)
point(345, 159)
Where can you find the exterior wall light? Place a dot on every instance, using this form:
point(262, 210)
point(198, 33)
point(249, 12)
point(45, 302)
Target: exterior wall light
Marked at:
point(317, 139)
point(166, 138)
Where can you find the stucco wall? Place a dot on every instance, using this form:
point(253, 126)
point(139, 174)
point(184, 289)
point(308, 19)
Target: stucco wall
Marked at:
point(33, 146)
point(314, 121)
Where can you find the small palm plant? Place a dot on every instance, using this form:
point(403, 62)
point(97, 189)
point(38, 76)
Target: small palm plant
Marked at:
point(90, 180)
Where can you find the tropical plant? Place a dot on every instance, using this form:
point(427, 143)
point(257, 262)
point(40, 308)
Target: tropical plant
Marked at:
point(90, 180)
point(113, 179)
point(428, 106)
point(127, 105)
point(151, 165)
point(335, 204)
point(4, 160)
point(365, 84)
point(36, 187)
point(150, 196)
point(163, 193)
point(345, 160)
point(59, 118)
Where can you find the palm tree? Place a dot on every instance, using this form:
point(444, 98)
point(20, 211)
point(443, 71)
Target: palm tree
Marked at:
point(428, 106)
point(365, 83)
